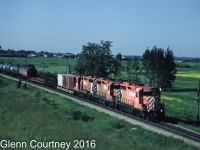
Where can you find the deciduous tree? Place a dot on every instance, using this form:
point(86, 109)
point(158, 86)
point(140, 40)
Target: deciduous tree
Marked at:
point(95, 59)
point(160, 67)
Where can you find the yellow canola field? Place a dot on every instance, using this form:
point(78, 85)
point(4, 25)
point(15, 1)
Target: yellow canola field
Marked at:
point(171, 99)
point(189, 75)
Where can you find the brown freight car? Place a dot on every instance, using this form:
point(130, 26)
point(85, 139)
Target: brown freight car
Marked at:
point(66, 82)
point(37, 80)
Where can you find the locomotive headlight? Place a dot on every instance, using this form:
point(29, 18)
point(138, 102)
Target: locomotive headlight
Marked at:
point(161, 110)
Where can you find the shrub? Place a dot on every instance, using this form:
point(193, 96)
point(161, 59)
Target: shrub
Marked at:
point(77, 115)
point(25, 86)
point(19, 84)
point(38, 94)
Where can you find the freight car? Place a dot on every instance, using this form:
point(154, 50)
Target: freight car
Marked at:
point(50, 81)
point(66, 82)
point(1, 67)
point(47, 81)
point(27, 71)
point(6, 68)
point(14, 70)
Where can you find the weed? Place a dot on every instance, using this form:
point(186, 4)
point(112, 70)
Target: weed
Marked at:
point(77, 115)
point(19, 84)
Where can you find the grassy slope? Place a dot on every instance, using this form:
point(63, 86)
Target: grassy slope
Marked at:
point(27, 114)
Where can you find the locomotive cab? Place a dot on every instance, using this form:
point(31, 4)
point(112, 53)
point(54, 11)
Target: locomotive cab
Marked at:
point(151, 99)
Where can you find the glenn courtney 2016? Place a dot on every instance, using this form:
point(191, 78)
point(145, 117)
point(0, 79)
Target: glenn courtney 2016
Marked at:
point(34, 144)
point(50, 144)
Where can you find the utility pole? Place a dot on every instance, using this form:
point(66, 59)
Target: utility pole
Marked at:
point(198, 100)
point(26, 60)
point(68, 66)
point(44, 66)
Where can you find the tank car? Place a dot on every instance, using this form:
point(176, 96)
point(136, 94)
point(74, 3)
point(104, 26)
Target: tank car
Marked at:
point(6, 68)
point(1, 67)
point(27, 71)
point(14, 70)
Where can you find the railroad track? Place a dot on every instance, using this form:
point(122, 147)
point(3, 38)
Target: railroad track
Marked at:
point(184, 132)
point(195, 136)
point(180, 131)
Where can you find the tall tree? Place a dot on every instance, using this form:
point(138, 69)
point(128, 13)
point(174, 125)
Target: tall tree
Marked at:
point(116, 67)
point(170, 68)
point(159, 66)
point(133, 69)
point(95, 59)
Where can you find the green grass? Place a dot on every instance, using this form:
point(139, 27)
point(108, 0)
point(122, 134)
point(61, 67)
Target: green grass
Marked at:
point(33, 114)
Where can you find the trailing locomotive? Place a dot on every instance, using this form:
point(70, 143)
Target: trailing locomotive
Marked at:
point(135, 99)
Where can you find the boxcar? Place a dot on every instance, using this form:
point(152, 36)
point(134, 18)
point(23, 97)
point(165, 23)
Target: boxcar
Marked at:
point(67, 82)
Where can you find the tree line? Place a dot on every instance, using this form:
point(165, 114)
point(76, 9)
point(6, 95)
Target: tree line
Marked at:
point(157, 65)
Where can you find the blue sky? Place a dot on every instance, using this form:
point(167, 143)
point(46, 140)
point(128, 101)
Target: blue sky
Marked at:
point(132, 25)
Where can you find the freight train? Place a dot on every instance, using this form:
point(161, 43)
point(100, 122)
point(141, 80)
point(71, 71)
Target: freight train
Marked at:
point(135, 99)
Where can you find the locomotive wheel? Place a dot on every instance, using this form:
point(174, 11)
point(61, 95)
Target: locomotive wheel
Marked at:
point(149, 117)
point(143, 115)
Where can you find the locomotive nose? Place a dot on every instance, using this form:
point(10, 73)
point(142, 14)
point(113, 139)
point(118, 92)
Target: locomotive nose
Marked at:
point(153, 103)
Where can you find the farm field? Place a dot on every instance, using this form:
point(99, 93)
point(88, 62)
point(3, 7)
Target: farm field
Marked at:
point(53, 65)
point(181, 107)
point(32, 114)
